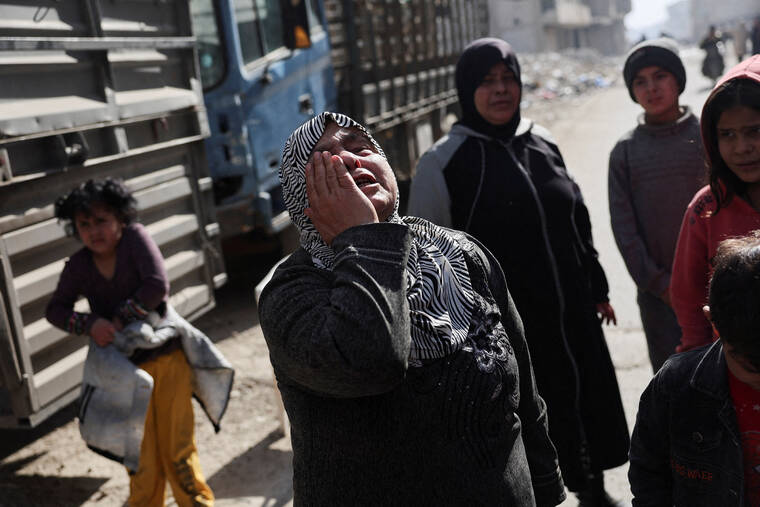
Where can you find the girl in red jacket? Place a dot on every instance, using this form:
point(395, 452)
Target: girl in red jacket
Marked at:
point(730, 205)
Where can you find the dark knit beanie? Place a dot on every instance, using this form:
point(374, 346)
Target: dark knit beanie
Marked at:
point(661, 52)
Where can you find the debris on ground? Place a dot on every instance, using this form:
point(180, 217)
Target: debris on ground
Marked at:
point(561, 77)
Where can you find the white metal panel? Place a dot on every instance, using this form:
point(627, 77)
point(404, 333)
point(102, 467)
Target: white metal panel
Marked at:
point(129, 93)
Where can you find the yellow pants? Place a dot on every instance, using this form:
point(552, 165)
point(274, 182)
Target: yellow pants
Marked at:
point(168, 448)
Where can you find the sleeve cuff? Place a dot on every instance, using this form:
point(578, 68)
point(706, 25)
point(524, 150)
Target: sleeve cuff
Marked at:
point(131, 310)
point(78, 323)
point(550, 491)
point(381, 236)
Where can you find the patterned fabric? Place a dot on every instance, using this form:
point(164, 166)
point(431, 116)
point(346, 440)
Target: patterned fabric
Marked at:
point(132, 310)
point(76, 323)
point(439, 291)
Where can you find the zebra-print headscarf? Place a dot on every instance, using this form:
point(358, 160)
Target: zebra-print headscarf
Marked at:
point(438, 283)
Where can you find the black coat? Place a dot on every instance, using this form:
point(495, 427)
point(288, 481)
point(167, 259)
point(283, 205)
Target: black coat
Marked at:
point(685, 447)
point(518, 200)
point(368, 428)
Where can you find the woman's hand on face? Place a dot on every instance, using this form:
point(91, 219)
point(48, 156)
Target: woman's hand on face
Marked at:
point(102, 331)
point(335, 202)
point(606, 313)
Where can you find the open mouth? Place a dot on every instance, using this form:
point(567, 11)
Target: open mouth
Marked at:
point(364, 180)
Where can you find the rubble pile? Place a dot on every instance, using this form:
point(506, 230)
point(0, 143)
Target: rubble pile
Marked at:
point(551, 78)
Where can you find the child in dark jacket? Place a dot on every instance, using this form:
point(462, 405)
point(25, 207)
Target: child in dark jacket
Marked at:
point(703, 403)
point(121, 273)
point(654, 171)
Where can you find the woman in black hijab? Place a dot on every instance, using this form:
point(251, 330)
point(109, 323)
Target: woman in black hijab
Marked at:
point(502, 179)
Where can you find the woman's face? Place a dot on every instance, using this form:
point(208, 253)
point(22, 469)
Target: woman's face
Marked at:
point(498, 96)
point(369, 170)
point(738, 133)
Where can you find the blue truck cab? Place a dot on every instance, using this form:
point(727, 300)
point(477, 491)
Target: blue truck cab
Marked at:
point(269, 65)
point(258, 87)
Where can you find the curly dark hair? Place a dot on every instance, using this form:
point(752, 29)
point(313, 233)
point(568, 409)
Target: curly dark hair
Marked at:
point(735, 295)
point(109, 192)
point(724, 184)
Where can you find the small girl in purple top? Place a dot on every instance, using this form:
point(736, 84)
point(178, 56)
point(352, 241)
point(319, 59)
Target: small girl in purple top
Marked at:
point(121, 272)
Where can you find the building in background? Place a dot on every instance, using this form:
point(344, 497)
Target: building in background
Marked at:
point(678, 24)
point(551, 25)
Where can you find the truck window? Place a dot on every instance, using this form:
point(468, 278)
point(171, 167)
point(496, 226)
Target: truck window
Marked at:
point(315, 20)
point(210, 54)
point(248, 30)
point(271, 17)
point(259, 26)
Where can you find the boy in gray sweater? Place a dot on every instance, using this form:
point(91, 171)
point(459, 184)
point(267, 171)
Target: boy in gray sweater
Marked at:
point(655, 170)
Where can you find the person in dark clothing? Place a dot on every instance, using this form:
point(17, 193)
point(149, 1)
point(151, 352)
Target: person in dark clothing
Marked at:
point(399, 354)
point(712, 65)
point(654, 171)
point(502, 179)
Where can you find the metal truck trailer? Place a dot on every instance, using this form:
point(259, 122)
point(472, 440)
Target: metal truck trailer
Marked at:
point(94, 88)
point(394, 64)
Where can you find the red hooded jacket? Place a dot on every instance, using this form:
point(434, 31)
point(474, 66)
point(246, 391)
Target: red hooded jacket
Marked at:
point(702, 230)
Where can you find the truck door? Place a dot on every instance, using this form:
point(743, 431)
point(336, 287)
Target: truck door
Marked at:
point(90, 92)
point(268, 91)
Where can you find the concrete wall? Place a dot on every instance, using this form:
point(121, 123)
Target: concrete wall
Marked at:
point(518, 22)
point(608, 38)
point(541, 25)
point(678, 24)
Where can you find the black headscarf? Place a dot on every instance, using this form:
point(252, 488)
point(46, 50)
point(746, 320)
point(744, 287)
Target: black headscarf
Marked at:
point(473, 66)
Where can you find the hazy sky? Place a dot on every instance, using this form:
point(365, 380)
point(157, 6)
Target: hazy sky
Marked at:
point(646, 12)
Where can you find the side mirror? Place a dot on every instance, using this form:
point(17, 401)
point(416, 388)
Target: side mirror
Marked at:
point(295, 22)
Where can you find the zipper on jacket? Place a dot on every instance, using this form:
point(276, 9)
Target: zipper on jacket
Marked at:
point(585, 458)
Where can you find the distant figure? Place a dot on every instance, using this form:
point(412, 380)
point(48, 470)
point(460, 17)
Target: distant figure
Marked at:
point(696, 436)
point(739, 34)
point(755, 36)
point(712, 65)
point(730, 205)
point(655, 170)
